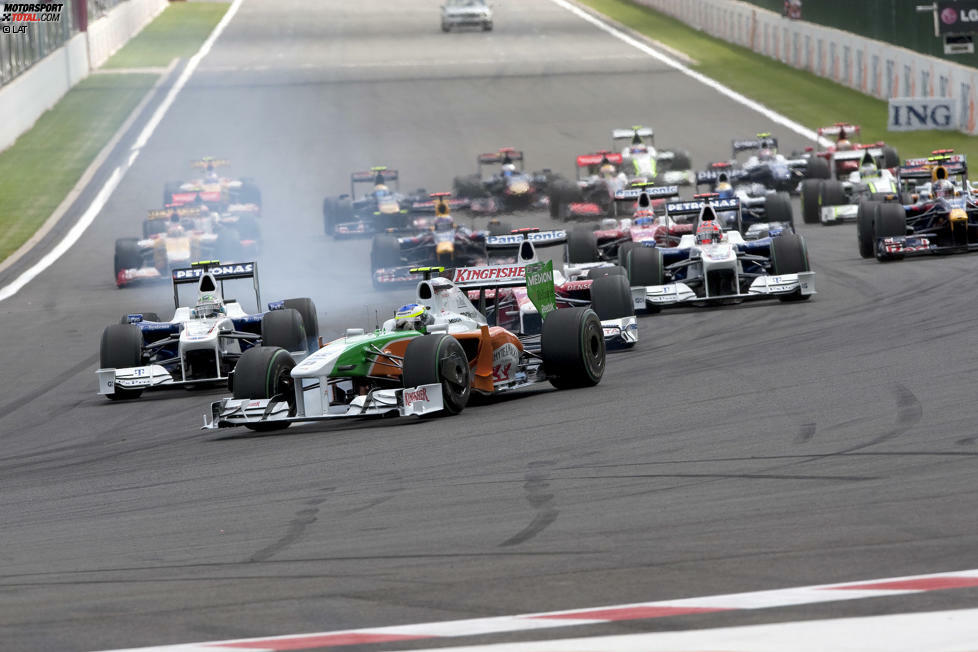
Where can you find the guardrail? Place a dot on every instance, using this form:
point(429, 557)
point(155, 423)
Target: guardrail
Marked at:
point(872, 67)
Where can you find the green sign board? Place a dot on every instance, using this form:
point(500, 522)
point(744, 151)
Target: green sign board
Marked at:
point(540, 287)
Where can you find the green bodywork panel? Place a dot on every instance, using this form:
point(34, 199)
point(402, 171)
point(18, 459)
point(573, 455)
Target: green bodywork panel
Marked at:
point(357, 357)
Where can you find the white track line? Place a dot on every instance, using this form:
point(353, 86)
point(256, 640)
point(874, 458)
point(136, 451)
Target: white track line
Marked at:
point(116, 176)
point(773, 116)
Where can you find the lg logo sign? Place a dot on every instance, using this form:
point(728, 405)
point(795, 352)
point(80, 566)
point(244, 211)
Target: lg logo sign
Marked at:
point(913, 113)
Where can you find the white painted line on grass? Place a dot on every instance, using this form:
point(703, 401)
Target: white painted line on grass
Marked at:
point(112, 182)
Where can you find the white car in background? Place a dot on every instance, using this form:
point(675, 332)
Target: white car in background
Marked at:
point(466, 13)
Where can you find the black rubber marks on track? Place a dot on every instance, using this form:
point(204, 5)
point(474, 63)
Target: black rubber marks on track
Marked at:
point(541, 500)
point(297, 527)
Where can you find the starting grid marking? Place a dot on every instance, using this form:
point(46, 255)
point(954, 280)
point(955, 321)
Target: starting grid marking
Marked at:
point(599, 615)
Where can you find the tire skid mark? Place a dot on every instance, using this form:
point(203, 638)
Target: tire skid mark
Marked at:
point(297, 527)
point(536, 486)
point(23, 401)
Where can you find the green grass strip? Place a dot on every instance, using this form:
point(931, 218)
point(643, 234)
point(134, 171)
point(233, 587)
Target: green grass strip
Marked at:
point(38, 170)
point(799, 95)
point(178, 32)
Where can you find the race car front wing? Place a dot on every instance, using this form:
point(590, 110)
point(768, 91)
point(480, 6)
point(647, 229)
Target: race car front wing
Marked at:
point(670, 294)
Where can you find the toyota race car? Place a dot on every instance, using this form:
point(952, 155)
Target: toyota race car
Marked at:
point(598, 180)
point(200, 344)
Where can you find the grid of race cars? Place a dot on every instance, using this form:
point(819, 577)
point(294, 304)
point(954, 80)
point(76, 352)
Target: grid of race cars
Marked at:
point(642, 230)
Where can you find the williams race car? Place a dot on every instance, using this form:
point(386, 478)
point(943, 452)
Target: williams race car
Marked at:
point(200, 344)
point(764, 167)
point(211, 189)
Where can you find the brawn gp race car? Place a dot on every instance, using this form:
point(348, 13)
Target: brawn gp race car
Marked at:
point(199, 344)
point(430, 358)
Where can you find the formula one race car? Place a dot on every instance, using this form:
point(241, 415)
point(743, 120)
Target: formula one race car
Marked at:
point(642, 161)
point(831, 201)
point(598, 180)
point(211, 189)
point(199, 344)
point(943, 218)
point(842, 157)
point(507, 189)
point(430, 358)
point(764, 167)
point(174, 236)
point(715, 264)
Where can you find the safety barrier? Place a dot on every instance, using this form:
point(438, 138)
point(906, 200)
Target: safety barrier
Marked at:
point(109, 33)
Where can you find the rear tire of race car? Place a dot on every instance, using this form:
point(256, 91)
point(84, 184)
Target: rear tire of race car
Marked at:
point(122, 346)
point(264, 372)
point(811, 192)
point(310, 320)
point(817, 168)
point(152, 227)
point(147, 316)
point(611, 298)
point(500, 228)
point(622, 253)
point(777, 208)
point(833, 193)
point(573, 348)
point(681, 160)
point(891, 220)
point(440, 358)
point(469, 187)
point(866, 228)
point(385, 251)
point(610, 270)
point(582, 246)
point(283, 328)
point(127, 255)
point(891, 158)
point(789, 255)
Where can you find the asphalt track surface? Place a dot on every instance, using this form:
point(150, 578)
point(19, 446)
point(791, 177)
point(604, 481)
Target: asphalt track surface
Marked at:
point(746, 448)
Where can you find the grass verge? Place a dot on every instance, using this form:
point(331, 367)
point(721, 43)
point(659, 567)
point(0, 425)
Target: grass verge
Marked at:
point(799, 95)
point(177, 32)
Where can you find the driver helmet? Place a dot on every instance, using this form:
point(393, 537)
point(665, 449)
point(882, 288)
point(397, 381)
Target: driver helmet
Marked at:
point(765, 154)
point(209, 305)
point(644, 221)
point(843, 145)
point(509, 169)
point(639, 149)
point(867, 167)
point(607, 171)
point(942, 189)
point(724, 189)
point(444, 223)
point(708, 232)
point(412, 317)
point(381, 189)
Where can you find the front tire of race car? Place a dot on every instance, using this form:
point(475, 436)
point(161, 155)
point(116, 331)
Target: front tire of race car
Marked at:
point(283, 328)
point(833, 193)
point(644, 267)
point(777, 208)
point(582, 246)
point(891, 158)
point(817, 168)
point(440, 359)
point(310, 320)
point(866, 228)
point(789, 255)
point(265, 372)
point(681, 160)
point(611, 298)
point(573, 348)
point(122, 346)
point(469, 187)
point(891, 220)
point(385, 251)
point(811, 193)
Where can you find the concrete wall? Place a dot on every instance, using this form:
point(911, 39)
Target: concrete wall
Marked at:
point(872, 67)
point(110, 32)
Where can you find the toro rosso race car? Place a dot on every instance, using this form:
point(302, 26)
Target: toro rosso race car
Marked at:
point(174, 236)
point(211, 189)
point(715, 264)
point(942, 218)
point(506, 188)
point(642, 161)
point(428, 359)
point(199, 344)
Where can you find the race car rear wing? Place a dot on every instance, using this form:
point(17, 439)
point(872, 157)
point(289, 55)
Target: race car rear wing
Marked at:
point(598, 158)
point(220, 273)
point(504, 155)
point(636, 135)
point(712, 177)
point(209, 163)
point(838, 128)
point(515, 239)
point(375, 175)
point(181, 211)
point(761, 142)
point(653, 192)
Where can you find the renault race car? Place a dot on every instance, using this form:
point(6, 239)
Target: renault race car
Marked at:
point(211, 189)
point(641, 160)
point(942, 218)
point(430, 358)
point(716, 264)
point(174, 236)
point(199, 344)
point(506, 188)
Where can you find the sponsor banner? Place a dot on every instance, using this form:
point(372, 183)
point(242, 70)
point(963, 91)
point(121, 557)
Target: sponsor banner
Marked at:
point(957, 16)
point(689, 207)
point(237, 270)
point(651, 191)
point(921, 113)
point(489, 275)
point(594, 159)
point(514, 239)
point(540, 287)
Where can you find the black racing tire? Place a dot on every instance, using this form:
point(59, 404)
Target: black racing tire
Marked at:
point(169, 189)
point(644, 267)
point(283, 328)
point(891, 158)
point(310, 320)
point(127, 255)
point(439, 358)
point(681, 160)
point(469, 187)
point(121, 347)
point(147, 316)
point(623, 249)
point(500, 228)
point(343, 210)
point(605, 270)
point(866, 228)
point(833, 193)
point(248, 192)
point(228, 247)
point(811, 196)
point(891, 220)
point(611, 298)
point(152, 227)
point(264, 372)
point(329, 215)
point(573, 348)
point(385, 251)
point(817, 168)
point(582, 246)
point(561, 193)
point(777, 208)
point(789, 255)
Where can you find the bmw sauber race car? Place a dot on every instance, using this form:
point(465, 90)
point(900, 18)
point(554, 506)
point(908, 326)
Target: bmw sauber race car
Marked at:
point(764, 167)
point(430, 358)
point(642, 161)
point(175, 236)
point(200, 344)
point(715, 264)
point(506, 188)
point(211, 189)
point(942, 218)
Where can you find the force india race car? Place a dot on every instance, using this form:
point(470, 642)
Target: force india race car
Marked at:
point(199, 344)
point(642, 161)
point(174, 236)
point(213, 190)
point(508, 189)
point(943, 218)
point(715, 264)
point(429, 359)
